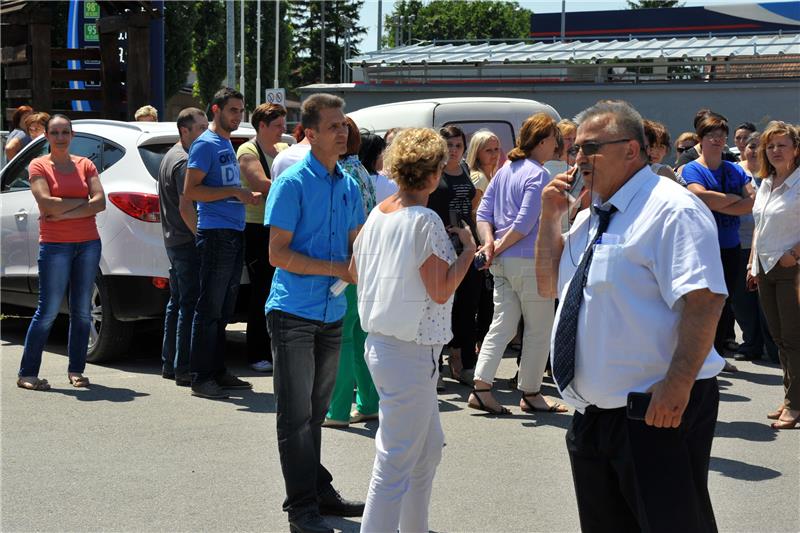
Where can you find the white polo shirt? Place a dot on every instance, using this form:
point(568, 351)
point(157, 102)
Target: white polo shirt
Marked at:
point(660, 245)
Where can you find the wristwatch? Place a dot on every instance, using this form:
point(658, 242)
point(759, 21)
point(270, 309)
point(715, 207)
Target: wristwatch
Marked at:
point(791, 252)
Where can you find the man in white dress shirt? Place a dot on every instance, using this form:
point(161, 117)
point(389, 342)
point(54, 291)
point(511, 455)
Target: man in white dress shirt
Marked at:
point(640, 284)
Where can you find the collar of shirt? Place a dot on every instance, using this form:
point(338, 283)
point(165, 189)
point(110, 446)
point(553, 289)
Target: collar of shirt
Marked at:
point(319, 170)
point(788, 183)
point(623, 197)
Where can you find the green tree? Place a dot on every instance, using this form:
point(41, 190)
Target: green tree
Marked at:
point(179, 22)
point(209, 48)
point(653, 4)
point(341, 19)
point(456, 20)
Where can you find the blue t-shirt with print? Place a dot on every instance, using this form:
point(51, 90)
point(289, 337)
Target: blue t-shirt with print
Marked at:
point(320, 209)
point(727, 178)
point(215, 156)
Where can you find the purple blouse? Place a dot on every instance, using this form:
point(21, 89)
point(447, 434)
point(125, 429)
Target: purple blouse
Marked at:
point(513, 201)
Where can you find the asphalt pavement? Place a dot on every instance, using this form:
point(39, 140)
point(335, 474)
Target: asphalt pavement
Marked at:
point(136, 453)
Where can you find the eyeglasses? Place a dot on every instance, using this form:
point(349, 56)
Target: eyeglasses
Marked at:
point(592, 147)
point(716, 137)
point(681, 149)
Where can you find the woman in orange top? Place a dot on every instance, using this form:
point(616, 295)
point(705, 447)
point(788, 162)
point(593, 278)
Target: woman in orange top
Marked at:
point(68, 192)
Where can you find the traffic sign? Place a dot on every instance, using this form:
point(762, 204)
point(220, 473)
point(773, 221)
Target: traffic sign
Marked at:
point(275, 96)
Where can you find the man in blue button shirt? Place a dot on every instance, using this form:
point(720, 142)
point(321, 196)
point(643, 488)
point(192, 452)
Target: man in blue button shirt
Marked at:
point(212, 180)
point(314, 212)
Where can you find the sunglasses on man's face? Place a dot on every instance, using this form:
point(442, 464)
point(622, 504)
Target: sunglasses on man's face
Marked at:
point(591, 148)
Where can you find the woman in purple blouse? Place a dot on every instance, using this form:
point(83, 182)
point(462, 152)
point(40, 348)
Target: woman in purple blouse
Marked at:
point(508, 218)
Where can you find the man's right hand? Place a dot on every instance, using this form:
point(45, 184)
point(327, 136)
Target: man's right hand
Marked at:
point(248, 197)
point(554, 196)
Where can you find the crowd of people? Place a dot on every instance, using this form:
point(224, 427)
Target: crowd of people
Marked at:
point(372, 258)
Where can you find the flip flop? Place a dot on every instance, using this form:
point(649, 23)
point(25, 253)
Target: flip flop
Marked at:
point(78, 381)
point(33, 383)
point(786, 424)
point(482, 406)
point(552, 408)
point(776, 414)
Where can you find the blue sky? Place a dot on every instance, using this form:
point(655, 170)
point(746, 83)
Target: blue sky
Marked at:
point(369, 13)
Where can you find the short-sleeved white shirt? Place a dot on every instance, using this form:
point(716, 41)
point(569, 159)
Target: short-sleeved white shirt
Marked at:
point(392, 299)
point(777, 219)
point(660, 245)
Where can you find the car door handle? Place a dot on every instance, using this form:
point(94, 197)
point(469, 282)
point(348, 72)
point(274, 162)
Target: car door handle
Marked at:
point(21, 215)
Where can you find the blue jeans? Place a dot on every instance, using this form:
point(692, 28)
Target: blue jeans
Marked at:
point(184, 286)
point(62, 264)
point(306, 356)
point(221, 253)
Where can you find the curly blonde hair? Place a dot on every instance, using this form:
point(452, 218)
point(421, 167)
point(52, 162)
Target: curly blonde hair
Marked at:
point(415, 154)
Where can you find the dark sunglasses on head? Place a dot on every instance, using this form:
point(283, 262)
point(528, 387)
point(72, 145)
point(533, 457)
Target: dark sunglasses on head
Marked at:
point(592, 147)
point(681, 149)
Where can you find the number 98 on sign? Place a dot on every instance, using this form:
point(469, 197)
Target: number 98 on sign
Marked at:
point(275, 96)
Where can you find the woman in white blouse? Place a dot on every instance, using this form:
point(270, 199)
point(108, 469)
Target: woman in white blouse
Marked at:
point(407, 271)
point(775, 255)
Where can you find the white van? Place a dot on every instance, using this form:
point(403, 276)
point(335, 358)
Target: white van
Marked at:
point(500, 115)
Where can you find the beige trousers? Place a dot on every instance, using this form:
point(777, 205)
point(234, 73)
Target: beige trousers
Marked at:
point(515, 296)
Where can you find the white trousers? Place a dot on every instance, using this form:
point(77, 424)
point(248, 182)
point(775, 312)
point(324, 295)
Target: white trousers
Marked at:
point(408, 445)
point(516, 295)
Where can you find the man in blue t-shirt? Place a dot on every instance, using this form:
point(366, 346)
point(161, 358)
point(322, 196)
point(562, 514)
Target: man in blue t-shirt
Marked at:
point(212, 180)
point(314, 212)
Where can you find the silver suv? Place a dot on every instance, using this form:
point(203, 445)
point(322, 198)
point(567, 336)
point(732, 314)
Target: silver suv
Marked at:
point(133, 281)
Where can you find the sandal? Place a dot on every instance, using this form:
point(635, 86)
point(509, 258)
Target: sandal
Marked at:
point(786, 424)
point(455, 366)
point(78, 380)
point(552, 408)
point(482, 406)
point(33, 383)
point(776, 414)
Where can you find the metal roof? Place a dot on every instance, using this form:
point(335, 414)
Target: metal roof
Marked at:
point(583, 51)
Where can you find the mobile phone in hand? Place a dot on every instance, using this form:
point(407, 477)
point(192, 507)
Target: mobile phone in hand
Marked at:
point(637, 405)
point(480, 261)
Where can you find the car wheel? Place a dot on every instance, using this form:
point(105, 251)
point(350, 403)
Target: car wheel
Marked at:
point(109, 338)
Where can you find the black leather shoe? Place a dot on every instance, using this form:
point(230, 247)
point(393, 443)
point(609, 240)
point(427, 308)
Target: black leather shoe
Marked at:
point(739, 356)
point(183, 380)
point(331, 503)
point(309, 523)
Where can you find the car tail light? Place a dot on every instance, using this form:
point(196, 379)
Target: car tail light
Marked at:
point(139, 205)
point(160, 283)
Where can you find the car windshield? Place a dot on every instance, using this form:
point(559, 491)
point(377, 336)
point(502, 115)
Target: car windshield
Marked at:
point(152, 154)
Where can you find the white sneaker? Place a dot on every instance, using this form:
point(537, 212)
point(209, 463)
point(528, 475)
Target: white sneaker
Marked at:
point(262, 366)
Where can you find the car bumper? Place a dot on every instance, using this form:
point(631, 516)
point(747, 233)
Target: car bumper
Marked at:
point(136, 298)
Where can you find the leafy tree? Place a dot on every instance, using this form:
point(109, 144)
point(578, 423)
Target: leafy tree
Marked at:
point(456, 20)
point(653, 4)
point(209, 48)
point(341, 16)
point(179, 22)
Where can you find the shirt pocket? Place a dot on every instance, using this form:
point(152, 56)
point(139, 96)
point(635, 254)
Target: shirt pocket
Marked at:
point(605, 264)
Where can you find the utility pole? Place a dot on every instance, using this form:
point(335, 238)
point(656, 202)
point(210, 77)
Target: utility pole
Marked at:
point(380, 23)
point(563, 19)
point(277, 40)
point(230, 75)
point(258, 52)
point(322, 44)
point(241, 46)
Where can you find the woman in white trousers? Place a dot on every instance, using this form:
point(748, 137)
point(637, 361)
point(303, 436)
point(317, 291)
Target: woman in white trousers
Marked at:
point(407, 271)
point(508, 217)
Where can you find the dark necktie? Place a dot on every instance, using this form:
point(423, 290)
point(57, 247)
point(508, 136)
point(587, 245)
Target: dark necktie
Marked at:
point(567, 330)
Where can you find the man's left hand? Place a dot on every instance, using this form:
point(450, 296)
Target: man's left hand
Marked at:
point(667, 404)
